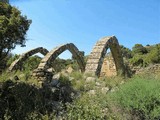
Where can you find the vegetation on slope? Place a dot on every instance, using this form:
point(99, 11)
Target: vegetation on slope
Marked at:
point(134, 98)
point(138, 98)
point(73, 96)
point(142, 55)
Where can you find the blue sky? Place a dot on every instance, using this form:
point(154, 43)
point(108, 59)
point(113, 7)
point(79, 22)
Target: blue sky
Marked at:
point(83, 22)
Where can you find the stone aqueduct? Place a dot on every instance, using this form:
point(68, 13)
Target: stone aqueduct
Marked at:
point(93, 65)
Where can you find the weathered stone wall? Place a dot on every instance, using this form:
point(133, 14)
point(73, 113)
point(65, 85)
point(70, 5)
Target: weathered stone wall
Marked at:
point(96, 57)
point(42, 75)
point(17, 64)
point(150, 69)
point(108, 67)
point(41, 72)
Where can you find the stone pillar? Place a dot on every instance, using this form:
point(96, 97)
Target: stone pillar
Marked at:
point(42, 75)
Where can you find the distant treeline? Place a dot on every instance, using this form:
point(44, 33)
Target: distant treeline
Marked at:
point(142, 55)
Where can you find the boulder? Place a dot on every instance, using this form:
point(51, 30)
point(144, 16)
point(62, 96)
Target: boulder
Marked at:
point(69, 70)
point(50, 70)
point(54, 83)
point(91, 92)
point(98, 84)
point(90, 79)
point(105, 90)
point(56, 76)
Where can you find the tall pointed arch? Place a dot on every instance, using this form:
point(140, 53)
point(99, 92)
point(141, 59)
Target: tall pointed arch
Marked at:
point(96, 57)
point(53, 54)
point(18, 62)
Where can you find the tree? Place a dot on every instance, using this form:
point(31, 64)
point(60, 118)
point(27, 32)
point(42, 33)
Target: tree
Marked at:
point(154, 55)
point(32, 63)
point(126, 52)
point(151, 57)
point(139, 49)
point(13, 28)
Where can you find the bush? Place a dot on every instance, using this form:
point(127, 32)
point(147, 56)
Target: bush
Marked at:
point(143, 56)
point(87, 108)
point(140, 97)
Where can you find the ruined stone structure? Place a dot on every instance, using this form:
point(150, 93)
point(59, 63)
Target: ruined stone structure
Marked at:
point(17, 64)
point(96, 57)
point(42, 73)
point(150, 69)
point(108, 67)
point(94, 63)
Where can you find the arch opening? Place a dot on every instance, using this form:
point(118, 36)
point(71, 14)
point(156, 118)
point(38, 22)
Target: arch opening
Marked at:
point(108, 66)
point(53, 54)
point(65, 62)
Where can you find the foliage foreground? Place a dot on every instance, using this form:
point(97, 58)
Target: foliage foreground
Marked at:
point(137, 98)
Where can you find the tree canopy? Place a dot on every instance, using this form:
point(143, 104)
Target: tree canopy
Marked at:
point(143, 56)
point(139, 49)
point(126, 52)
point(13, 28)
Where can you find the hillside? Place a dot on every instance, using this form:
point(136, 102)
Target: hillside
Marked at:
point(119, 79)
point(74, 95)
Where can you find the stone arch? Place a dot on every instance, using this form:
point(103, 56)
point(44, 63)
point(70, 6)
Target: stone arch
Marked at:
point(53, 54)
point(17, 63)
point(97, 55)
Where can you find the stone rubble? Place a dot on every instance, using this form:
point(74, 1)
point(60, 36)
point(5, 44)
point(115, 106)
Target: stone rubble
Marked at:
point(150, 69)
point(90, 79)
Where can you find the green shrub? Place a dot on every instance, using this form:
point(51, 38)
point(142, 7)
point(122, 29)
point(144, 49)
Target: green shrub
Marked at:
point(64, 80)
point(112, 81)
point(77, 75)
point(86, 108)
point(78, 84)
point(140, 97)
